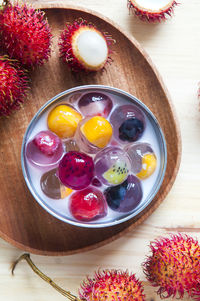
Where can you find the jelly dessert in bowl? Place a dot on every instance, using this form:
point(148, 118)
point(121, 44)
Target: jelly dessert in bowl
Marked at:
point(94, 156)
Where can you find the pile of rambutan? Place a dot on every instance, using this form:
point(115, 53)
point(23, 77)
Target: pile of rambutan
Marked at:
point(174, 266)
point(25, 38)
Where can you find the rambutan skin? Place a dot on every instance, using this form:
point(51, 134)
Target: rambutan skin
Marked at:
point(25, 34)
point(112, 285)
point(66, 49)
point(174, 266)
point(149, 16)
point(14, 85)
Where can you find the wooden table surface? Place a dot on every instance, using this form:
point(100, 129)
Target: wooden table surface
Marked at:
point(174, 48)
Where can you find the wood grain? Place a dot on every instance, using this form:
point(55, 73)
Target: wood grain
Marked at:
point(132, 71)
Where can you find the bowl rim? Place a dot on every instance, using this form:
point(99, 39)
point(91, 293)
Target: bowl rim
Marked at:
point(88, 224)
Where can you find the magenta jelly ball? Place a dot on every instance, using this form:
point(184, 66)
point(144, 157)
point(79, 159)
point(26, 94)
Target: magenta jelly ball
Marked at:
point(44, 150)
point(76, 170)
point(88, 204)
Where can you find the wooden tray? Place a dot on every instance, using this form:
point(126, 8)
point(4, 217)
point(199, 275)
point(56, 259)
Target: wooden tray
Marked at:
point(23, 222)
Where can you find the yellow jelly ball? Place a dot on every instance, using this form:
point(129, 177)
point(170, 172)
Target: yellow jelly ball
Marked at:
point(149, 163)
point(97, 131)
point(63, 121)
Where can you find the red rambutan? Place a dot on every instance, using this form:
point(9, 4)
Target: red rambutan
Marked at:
point(13, 85)
point(112, 285)
point(25, 34)
point(109, 285)
point(152, 11)
point(84, 47)
point(174, 266)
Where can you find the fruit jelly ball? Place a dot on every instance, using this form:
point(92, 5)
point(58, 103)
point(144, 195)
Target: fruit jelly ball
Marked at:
point(44, 150)
point(52, 187)
point(126, 196)
point(112, 166)
point(95, 104)
point(76, 170)
point(143, 159)
point(63, 120)
point(88, 204)
point(93, 134)
point(97, 131)
point(128, 122)
point(149, 163)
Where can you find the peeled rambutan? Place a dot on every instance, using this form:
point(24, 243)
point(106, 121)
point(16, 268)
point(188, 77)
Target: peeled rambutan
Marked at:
point(84, 47)
point(13, 85)
point(25, 34)
point(109, 285)
point(152, 11)
point(174, 266)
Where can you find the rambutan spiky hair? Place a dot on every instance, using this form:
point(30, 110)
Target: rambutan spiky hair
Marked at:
point(25, 34)
point(13, 85)
point(152, 15)
point(112, 285)
point(174, 266)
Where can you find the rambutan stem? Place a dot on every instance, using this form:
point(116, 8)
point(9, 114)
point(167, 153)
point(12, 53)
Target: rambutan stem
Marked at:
point(26, 257)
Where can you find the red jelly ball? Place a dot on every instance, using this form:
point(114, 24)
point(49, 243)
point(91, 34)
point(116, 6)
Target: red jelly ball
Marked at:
point(47, 142)
point(76, 170)
point(88, 204)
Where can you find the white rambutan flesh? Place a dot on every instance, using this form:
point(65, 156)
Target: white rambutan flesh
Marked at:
point(84, 47)
point(152, 11)
point(90, 47)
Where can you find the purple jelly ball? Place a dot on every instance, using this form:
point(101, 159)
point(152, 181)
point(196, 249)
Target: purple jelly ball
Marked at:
point(95, 104)
point(126, 196)
point(136, 152)
point(76, 170)
point(128, 123)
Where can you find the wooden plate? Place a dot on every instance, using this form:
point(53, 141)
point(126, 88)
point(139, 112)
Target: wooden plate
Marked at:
point(22, 221)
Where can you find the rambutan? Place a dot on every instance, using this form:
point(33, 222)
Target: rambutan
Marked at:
point(84, 47)
point(174, 266)
point(25, 34)
point(112, 285)
point(152, 11)
point(109, 285)
point(13, 85)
